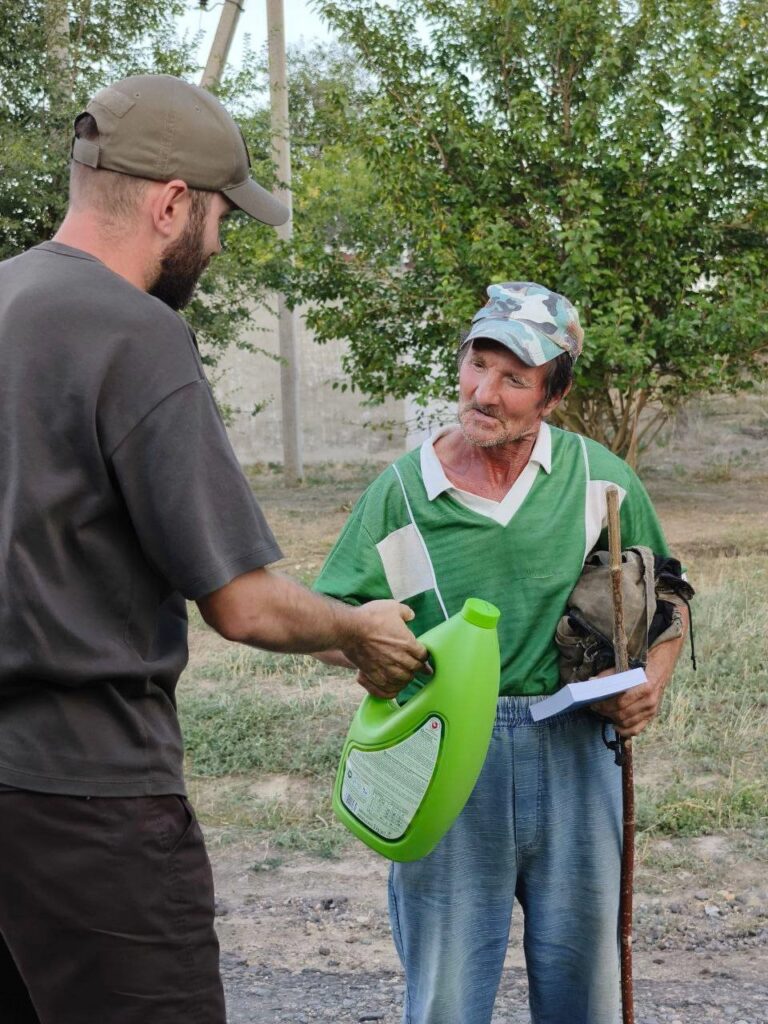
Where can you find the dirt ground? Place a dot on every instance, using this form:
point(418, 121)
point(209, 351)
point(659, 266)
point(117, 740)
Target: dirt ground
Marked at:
point(308, 940)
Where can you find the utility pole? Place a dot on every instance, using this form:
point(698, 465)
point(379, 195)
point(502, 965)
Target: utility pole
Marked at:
point(222, 41)
point(289, 351)
point(293, 467)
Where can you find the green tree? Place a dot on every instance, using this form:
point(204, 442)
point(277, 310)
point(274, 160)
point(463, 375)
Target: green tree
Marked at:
point(614, 150)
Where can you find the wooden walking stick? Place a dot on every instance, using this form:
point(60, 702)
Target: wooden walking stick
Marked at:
point(627, 776)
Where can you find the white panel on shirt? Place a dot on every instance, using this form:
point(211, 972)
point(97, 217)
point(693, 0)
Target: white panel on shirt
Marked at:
point(405, 562)
point(596, 512)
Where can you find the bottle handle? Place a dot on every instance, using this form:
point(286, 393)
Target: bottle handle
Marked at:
point(425, 678)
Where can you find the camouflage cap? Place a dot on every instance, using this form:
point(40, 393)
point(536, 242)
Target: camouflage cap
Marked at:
point(530, 320)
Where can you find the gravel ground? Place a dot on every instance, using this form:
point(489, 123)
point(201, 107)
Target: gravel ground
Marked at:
point(310, 942)
point(257, 995)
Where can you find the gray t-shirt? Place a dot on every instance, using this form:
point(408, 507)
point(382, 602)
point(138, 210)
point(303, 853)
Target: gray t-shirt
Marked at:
point(120, 496)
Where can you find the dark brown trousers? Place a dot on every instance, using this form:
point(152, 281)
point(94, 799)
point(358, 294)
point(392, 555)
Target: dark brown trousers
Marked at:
point(106, 912)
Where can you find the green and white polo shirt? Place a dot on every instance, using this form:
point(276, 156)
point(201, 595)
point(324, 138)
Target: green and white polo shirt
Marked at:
point(413, 537)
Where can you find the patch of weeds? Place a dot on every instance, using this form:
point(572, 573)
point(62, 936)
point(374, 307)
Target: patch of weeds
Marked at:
point(293, 828)
point(238, 663)
point(666, 859)
point(326, 841)
point(350, 473)
point(267, 864)
point(701, 765)
point(717, 472)
point(753, 844)
point(297, 667)
point(694, 812)
point(217, 837)
point(319, 474)
point(247, 731)
point(730, 611)
point(304, 822)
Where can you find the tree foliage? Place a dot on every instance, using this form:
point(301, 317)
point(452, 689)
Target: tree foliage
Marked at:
point(54, 55)
point(613, 150)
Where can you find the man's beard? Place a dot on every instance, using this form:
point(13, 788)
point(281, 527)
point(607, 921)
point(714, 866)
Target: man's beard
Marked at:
point(182, 264)
point(510, 435)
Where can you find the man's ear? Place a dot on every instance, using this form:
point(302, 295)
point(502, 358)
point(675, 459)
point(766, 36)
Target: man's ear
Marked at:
point(168, 206)
point(553, 404)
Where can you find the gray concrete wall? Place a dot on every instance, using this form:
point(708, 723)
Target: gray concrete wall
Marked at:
point(335, 427)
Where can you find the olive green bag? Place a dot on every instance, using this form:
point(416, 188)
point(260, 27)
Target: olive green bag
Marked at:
point(653, 588)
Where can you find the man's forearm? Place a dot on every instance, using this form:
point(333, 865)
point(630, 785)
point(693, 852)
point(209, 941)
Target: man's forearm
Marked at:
point(264, 609)
point(271, 611)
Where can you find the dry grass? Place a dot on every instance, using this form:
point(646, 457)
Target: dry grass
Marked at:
point(708, 750)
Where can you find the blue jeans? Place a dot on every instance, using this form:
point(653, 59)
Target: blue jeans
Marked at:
point(542, 825)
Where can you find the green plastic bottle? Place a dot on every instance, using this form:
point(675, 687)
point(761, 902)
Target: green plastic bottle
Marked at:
point(407, 771)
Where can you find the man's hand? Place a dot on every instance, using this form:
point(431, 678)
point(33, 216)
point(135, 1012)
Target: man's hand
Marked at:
point(634, 709)
point(383, 649)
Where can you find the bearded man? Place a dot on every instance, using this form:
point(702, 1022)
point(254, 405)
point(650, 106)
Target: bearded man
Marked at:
point(121, 496)
point(506, 508)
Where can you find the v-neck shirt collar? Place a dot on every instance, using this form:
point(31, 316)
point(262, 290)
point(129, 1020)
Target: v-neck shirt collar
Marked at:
point(437, 483)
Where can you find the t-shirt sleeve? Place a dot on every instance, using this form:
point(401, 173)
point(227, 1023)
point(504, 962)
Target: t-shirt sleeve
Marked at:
point(353, 571)
point(189, 502)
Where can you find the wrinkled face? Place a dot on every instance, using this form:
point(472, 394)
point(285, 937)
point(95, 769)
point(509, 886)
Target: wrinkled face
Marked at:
point(501, 400)
point(185, 259)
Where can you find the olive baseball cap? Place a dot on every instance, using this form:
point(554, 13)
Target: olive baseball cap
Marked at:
point(161, 127)
point(534, 323)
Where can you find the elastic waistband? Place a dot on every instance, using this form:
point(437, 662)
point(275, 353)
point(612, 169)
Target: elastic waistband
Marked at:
point(516, 711)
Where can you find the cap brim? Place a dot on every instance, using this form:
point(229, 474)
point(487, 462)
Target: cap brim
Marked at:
point(533, 347)
point(254, 200)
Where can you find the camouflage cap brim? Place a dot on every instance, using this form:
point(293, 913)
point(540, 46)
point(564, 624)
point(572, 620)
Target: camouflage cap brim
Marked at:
point(528, 344)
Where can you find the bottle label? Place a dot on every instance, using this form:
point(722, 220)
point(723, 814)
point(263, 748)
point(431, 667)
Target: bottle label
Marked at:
point(384, 788)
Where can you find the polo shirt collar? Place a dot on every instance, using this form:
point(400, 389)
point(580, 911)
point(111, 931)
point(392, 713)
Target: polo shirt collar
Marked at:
point(433, 474)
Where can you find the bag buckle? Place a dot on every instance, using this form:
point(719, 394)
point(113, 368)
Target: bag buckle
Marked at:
point(616, 744)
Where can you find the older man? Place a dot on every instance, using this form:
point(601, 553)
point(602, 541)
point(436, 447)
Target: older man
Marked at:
point(506, 508)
